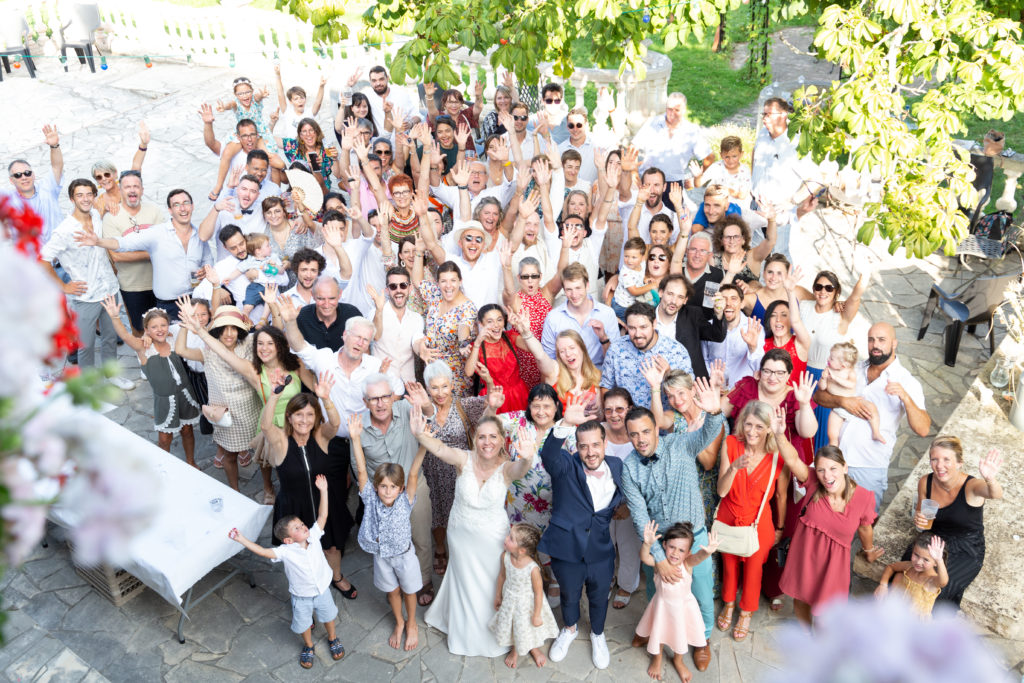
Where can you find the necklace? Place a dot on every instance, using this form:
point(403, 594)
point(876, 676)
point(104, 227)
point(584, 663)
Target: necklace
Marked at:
point(948, 489)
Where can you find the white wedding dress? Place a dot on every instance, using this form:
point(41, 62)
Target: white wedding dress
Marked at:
point(477, 528)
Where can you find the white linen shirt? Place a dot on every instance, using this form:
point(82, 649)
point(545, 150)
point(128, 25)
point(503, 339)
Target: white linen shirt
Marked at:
point(347, 392)
point(172, 265)
point(775, 174)
point(482, 282)
point(397, 340)
point(449, 194)
point(739, 360)
point(307, 570)
point(668, 151)
point(859, 449)
point(90, 265)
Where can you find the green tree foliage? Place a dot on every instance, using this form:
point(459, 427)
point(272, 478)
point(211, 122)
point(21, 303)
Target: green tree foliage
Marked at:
point(524, 34)
point(915, 70)
point(326, 16)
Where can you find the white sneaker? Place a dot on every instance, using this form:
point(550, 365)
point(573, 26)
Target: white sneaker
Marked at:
point(122, 383)
point(560, 648)
point(599, 651)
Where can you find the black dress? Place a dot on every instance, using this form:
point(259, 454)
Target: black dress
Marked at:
point(962, 527)
point(298, 495)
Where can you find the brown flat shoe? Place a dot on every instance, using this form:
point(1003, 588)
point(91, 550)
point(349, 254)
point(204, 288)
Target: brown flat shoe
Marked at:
point(702, 657)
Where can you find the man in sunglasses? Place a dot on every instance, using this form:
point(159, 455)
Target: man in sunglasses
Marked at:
point(520, 120)
point(551, 121)
point(43, 196)
point(670, 142)
point(579, 141)
point(399, 331)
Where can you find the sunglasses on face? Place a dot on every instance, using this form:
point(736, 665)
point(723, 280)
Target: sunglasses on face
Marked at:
point(473, 238)
point(22, 174)
point(103, 174)
point(574, 125)
point(382, 152)
point(657, 257)
point(393, 286)
point(551, 100)
point(520, 118)
point(530, 276)
point(819, 286)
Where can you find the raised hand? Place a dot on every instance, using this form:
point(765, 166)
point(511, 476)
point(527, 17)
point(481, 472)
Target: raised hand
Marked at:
point(575, 411)
point(804, 389)
point(779, 421)
point(751, 334)
point(542, 174)
point(324, 384)
point(717, 373)
point(528, 204)
point(630, 160)
point(269, 294)
point(361, 150)
point(355, 424)
point(321, 483)
point(499, 150)
point(143, 134)
point(505, 254)
point(50, 133)
point(598, 328)
point(713, 542)
point(526, 441)
point(643, 194)
point(651, 533)
point(707, 397)
point(506, 120)
point(288, 311)
point(460, 174)
point(206, 113)
point(990, 464)
point(478, 90)
point(516, 321)
point(354, 78)
point(378, 298)
point(462, 134)
point(675, 195)
point(937, 548)
point(651, 372)
point(569, 235)
point(495, 397)
point(417, 422)
point(428, 354)
point(112, 307)
point(429, 89)
point(416, 394)
point(420, 204)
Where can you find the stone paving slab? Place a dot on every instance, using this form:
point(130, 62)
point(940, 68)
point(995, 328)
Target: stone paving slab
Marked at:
point(60, 625)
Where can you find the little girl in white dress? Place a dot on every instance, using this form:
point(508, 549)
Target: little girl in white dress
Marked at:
point(523, 620)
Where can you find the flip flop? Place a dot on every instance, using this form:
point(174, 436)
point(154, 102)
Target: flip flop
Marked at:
point(218, 461)
point(245, 459)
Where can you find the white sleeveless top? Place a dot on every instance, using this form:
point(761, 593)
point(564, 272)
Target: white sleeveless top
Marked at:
point(824, 331)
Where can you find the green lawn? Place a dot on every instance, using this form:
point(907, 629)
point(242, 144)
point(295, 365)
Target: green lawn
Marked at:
point(1014, 130)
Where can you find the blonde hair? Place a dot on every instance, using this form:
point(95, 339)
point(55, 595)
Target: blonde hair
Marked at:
point(763, 412)
point(715, 190)
point(255, 241)
point(847, 350)
point(527, 537)
point(591, 375)
point(678, 379)
point(497, 424)
point(950, 443)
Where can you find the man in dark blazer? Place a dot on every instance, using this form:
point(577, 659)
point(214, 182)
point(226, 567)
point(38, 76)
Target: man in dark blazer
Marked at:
point(687, 324)
point(584, 494)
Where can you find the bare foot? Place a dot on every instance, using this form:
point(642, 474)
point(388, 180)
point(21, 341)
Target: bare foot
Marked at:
point(512, 658)
point(412, 636)
point(639, 640)
point(395, 640)
point(538, 657)
point(684, 673)
point(654, 670)
point(877, 436)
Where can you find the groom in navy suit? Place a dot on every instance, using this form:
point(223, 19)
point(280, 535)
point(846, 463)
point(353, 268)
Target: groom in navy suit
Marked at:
point(584, 494)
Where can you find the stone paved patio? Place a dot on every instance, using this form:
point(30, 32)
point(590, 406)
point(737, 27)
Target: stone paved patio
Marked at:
point(60, 629)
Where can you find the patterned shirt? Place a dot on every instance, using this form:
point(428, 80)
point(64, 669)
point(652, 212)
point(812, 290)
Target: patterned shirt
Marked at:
point(668, 490)
point(622, 365)
point(385, 531)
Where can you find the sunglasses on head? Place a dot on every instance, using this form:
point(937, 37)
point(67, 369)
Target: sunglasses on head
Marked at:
point(551, 100)
point(574, 125)
point(819, 286)
point(398, 285)
point(22, 174)
point(530, 276)
point(103, 174)
point(517, 117)
point(659, 257)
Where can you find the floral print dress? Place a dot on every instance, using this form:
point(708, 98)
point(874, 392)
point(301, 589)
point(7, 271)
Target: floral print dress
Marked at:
point(443, 333)
point(537, 308)
point(529, 498)
point(327, 155)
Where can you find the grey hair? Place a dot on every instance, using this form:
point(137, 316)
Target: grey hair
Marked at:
point(375, 378)
point(529, 261)
point(356, 321)
point(700, 235)
point(678, 379)
point(326, 280)
point(485, 202)
point(678, 96)
point(436, 369)
point(104, 165)
point(17, 161)
point(364, 124)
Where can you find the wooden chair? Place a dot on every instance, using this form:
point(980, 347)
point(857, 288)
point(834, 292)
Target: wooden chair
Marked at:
point(971, 304)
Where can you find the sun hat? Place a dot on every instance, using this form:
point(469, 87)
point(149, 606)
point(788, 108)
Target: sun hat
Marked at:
point(464, 226)
point(229, 315)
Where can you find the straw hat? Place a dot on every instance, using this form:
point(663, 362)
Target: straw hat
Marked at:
point(312, 193)
point(229, 315)
point(471, 225)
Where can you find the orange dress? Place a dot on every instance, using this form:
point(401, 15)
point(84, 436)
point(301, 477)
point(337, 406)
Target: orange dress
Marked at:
point(739, 508)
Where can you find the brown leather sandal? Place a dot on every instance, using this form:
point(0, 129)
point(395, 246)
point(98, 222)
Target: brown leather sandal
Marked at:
point(742, 628)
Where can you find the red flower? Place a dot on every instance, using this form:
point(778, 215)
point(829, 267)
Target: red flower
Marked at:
point(65, 339)
point(24, 226)
point(540, 505)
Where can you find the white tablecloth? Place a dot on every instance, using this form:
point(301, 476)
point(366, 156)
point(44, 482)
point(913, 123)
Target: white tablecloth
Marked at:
point(187, 539)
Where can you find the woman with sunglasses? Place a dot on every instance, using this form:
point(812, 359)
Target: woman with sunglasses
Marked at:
point(828, 324)
point(107, 179)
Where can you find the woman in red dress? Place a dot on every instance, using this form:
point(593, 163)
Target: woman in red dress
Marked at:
point(493, 354)
point(785, 330)
point(756, 464)
point(531, 302)
point(833, 510)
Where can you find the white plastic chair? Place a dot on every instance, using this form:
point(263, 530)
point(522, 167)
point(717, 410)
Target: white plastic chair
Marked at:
point(14, 42)
point(80, 33)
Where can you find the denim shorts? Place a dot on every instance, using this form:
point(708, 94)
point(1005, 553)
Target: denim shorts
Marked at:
point(303, 609)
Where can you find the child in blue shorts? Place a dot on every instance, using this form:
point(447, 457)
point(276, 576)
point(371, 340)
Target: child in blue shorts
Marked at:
point(309, 575)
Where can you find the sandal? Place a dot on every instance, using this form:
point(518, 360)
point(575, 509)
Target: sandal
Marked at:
point(776, 604)
point(724, 620)
point(440, 563)
point(425, 595)
point(621, 601)
point(350, 594)
point(742, 629)
point(245, 459)
point(306, 657)
point(218, 461)
point(337, 651)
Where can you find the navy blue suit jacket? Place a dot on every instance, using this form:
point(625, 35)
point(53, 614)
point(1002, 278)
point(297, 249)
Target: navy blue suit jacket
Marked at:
point(576, 532)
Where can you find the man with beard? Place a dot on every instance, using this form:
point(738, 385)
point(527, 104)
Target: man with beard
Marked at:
point(886, 387)
point(257, 164)
point(744, 339)
point(687, 324)
point(385, 97)
point(241, 210)
point(622, 365)
point(307, 265)
point(398, 330)
point(134, 269)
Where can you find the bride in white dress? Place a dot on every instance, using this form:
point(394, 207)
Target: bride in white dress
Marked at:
point(476, 533)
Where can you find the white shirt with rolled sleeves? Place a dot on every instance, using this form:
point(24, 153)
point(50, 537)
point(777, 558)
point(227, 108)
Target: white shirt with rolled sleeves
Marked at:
point(404, 99)
point(347, 392)
point(90, 265)
point(172, 265)
point(397, 340)
point(307, 570)
point(449, 194)
point(859, 449)
point(739, 360)
point(560, 319)
point(482, 281)
point(670, 151)
point(775, 174)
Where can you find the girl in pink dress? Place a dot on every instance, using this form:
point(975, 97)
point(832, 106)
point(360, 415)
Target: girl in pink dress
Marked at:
point(673, 616)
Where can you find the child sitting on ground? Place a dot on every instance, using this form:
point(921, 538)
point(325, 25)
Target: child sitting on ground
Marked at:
point(524, 619)
point(673, 616)
point(922, 578)
point(309, 575)
point(840, 379)
point(386, 533)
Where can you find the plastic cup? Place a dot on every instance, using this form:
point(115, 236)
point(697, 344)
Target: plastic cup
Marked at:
point(929, 508)
point(217, 504)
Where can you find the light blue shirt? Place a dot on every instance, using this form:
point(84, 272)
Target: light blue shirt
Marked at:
point(622, 365)
point(560, 319)
point(671, 152)
point(45, 202)
point(172, 265)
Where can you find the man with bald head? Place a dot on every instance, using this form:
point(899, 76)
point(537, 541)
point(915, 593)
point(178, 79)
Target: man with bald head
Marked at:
point(884, 387)
point(322, 323)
